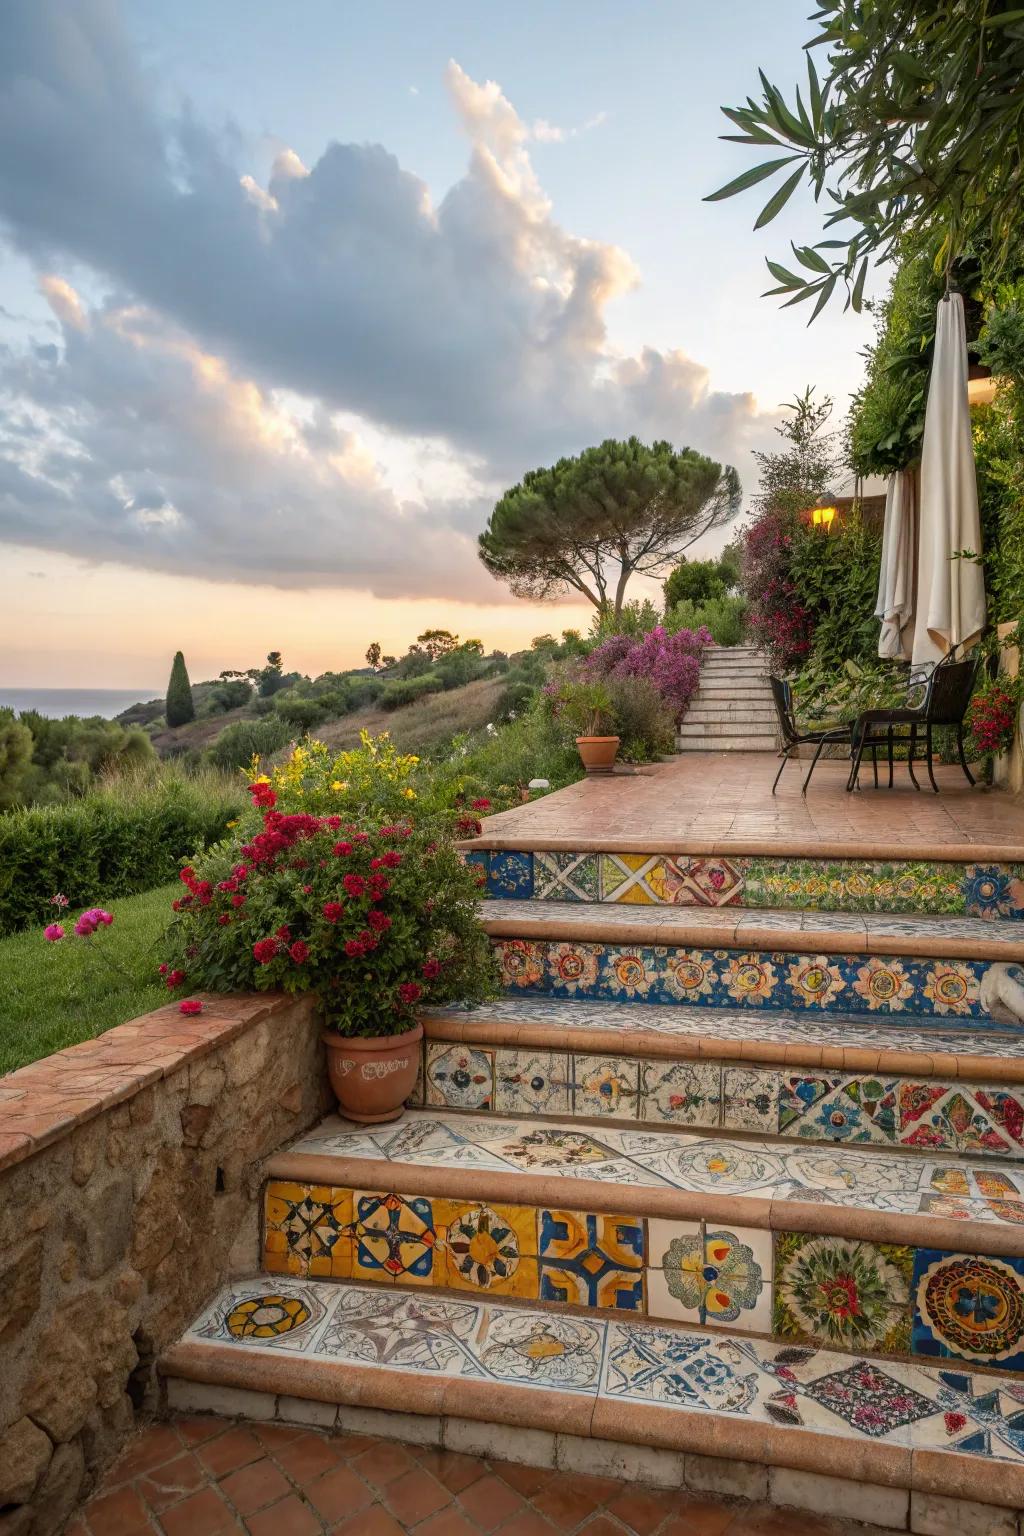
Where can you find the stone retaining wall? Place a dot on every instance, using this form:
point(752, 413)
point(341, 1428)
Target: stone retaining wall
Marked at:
point(128, 1170)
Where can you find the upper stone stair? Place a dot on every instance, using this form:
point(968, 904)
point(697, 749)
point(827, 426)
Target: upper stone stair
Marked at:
point(732, 710)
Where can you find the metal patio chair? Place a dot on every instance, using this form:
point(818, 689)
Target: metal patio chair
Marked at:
point(793, 737)
point(947, 694)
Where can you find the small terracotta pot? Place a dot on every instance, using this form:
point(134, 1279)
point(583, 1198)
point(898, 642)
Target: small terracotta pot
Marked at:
point(598, 753)
point(373, 1078)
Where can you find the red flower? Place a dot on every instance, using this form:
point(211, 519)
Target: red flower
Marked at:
point(175, 979)
point(264, 950)
point(342, 849)
point(354, 885)
point(299, 952)
point(224, 919)
point(360, 837)
point(190, 1005)
point(410, 991)
point(378, 920)
point(391, 859)
point(354, 949)
point(238, 900)
point(430, 969)
point(163, 968)
point(483, 804)
point(263, 796)
point(332, 910)
point(228, 885)
point(379, 886)
point(283, 933)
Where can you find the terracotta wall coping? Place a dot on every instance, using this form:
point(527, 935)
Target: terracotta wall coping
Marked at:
point(49, 1098)
point(803, 847)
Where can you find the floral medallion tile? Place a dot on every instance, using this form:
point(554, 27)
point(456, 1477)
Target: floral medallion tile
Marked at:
point(606, 1085)
point(960, 1117)
point(681, 1092)
point(813, 981)
point(258, 1315)
point(631, 974)
point(736, 1166)
point(531, 1082)
point(591, 1260)
point(572, 969)
point(884, 985)
point(307, 1230)
point(995, 891)
point(968, 1307)
point(510, 874)
point(521, 962)
point(489, 1248)
point(750, 1099)
point(712, 1275)
point(566, 877)
point(952, 987)
point(394, 1238)
point(459, 1076)
point(855, 1109)
point(843, 1293)
point(690, 976)
point(749, 980)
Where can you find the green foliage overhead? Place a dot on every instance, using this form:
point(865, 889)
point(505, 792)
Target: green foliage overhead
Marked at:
point(588, 523)
point(913, 126)
point(180, 708)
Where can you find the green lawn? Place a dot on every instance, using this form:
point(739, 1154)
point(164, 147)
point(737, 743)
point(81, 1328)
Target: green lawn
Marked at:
point(53, 995)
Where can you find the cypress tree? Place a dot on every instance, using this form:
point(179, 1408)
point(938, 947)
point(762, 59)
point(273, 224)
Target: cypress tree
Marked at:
point(179, 708)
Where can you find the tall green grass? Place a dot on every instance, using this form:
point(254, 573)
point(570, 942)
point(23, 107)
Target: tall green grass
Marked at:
point(127, 836)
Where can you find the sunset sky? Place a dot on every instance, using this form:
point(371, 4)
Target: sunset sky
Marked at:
point(289, 294)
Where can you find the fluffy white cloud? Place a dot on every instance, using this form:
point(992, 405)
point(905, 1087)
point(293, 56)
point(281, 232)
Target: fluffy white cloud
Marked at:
point(194, 416)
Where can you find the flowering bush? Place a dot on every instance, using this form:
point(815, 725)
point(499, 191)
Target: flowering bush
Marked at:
point(778, 619)
point(670, 662)
point(992, 716)
point(373, 917)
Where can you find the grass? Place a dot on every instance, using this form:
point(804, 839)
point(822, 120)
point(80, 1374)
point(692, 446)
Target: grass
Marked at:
point(422, 727)
point(54, 995)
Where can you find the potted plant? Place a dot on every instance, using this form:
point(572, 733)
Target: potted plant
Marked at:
point(587, 706)
point(375, 918)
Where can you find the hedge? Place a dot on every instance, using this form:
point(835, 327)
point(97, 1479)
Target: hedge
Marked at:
point(112, 843)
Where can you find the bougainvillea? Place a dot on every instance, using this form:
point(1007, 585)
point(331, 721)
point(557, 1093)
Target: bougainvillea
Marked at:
point(992, 716)
point(777, 618)
point(670, 662)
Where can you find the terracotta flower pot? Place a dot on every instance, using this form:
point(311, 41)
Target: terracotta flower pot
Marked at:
point(373, 1078)
point(598, 753)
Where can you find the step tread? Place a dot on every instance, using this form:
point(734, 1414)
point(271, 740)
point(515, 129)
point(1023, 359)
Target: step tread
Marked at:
point(613, 1378)
point(827, 1039)
point(941, 936)
point(884, 1193)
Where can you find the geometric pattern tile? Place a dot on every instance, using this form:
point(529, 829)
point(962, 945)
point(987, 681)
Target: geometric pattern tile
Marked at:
point(565, 877)
point(591, 1260)
point(833, 1108)
point(969, 1307)
point(307, 1230)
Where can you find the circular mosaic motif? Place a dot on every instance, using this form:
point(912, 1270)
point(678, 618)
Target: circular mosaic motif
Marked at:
point(482, 1247)
point(952, 988)
point(883, 986)
point(267, 1317)
point(749, 980)
point(974, 1306)
point(846, 1293)
point(814, 982)
point(690, 975)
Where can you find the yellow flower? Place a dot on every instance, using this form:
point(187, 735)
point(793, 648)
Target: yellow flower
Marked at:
point(410, 794)
point(231, 823)
point(339, 785)
point(263, 779)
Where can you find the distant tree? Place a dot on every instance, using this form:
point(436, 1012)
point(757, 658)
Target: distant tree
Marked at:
point(387, 662)
point(438, 642)
point(373, 655)
point(694, 581)
point(15, 757)
point(179, 708)
point(588, 524)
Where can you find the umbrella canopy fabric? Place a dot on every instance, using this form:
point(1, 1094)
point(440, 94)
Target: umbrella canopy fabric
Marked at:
point(951, 592)
point(897, 579)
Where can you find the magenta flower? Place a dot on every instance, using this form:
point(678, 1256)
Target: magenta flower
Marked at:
point(53, 932)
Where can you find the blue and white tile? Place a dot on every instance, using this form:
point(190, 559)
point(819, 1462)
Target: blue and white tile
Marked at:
point(681, 1092)
point(750, 1099)
point(606, 1085)
point(510, 874)
point(531, 1082)
point(737, 1167)
point(459, 1076)
point(832, 1107)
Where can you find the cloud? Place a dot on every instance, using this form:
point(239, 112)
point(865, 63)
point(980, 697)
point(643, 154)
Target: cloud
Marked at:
point(551, 133)
point(477, 323)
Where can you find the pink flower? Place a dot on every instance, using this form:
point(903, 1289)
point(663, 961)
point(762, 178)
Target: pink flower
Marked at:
point(190, 1005)
point(85, 926)
point(53, 932)
point(60, 900)
point(175, 979)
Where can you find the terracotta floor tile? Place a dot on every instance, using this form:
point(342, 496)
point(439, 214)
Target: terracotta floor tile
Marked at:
point(567, 1500)
point(452, 1468)
point(254, 1486)
point(234, 1449)
point(525, 1480)
point(205, 1511)
point(194, 1430)
point(173, 1481)
point(288, 1517)
point(120, 1513)
point(381, 1465)
point(157, 1444)
point(275, 1435)
point(528, 1523)
point(307, 1457)
point(700, 1517)
point(766, 1521)
point(415, 1495)
point(352, 1445)
point(338, 1494)
point(372, 1522)
point(603, 1525)
point(490, 1501)
point(641, 1510)
point(448, 1522)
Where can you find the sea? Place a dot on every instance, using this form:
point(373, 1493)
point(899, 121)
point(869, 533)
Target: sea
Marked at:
point(55, 703)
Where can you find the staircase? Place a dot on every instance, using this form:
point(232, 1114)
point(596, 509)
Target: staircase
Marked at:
point(732, 710)
point(740, 1184)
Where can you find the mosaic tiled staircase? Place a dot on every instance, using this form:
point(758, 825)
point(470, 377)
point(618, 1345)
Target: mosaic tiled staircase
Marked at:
point(732, 710)
point(743, 1183)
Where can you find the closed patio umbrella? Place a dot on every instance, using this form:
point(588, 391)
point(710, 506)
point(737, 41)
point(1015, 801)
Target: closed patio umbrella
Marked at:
point(951, 593)
point(897, 578)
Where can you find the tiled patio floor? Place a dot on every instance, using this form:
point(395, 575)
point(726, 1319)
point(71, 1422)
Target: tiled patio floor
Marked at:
point(703, 798)
point(207, 1477)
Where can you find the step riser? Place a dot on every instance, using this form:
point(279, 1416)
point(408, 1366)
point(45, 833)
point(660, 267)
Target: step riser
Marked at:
point(806, 1103)
point(724, 744)
point(939, 992)
point(992, 891)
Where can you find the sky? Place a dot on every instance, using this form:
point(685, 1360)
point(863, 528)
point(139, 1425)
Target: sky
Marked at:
point(290, 294)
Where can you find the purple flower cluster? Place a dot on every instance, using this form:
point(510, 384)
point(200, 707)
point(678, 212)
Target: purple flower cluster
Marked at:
point(671, 662)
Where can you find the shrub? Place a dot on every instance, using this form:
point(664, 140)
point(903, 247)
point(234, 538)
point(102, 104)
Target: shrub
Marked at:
point(724, 617)
point(694, 581)
point(993, 715)
point(300, 714)
point(643, 721)
point(180, 708)
point(670, 661)
point(238, 744)
point(408, 690)
point(375, 919)
point(124, 838)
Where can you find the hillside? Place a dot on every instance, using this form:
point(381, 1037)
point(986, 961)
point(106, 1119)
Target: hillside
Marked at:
point(428, 723)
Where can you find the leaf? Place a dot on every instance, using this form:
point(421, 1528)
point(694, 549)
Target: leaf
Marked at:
point(814, 90)
point(857, 297)
point(783, 275)
point(776, 204)
point(750, 178)
point(809, 258)
point(823, 297)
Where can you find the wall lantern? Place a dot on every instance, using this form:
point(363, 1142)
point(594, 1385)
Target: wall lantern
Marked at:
point(823, 517)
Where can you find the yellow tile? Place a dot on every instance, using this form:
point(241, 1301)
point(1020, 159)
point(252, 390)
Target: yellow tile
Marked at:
point(489, 1248)
point(394, 1239)
point(521, 1218)
point(480, 1279)
point(337, 1265)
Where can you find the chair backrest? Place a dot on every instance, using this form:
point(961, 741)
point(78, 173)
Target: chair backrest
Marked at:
point(949, 691)
point(782, 694)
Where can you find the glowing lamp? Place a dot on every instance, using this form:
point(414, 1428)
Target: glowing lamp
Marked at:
point(823, 517)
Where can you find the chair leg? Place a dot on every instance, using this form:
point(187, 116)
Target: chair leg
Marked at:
point(814, 764)
point(851, 783)
point(890, 757)
point(963, 756)
point(778, 776)
point(910, 757)
point(874, 761)
point(928, 752)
